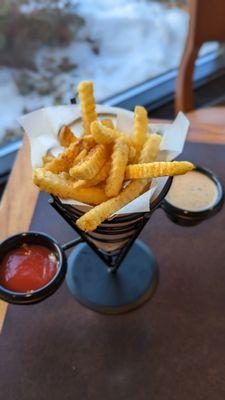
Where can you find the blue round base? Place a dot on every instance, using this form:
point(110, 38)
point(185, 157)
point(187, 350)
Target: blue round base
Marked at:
point(94, 286)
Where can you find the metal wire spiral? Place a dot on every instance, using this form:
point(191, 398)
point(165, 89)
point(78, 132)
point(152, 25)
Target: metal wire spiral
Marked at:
point(112, 240)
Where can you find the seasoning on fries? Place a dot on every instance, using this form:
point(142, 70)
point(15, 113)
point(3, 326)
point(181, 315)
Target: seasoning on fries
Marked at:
point(105, 167)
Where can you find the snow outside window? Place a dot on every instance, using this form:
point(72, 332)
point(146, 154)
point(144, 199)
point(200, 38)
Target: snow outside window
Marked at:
point(48, 46)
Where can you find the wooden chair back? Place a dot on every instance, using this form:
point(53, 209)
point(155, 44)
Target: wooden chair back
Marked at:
point(207, 23)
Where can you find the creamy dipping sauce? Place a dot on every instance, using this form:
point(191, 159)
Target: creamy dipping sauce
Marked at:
point(193, 191)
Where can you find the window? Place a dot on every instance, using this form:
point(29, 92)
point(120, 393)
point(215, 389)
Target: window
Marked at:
point(48, 46)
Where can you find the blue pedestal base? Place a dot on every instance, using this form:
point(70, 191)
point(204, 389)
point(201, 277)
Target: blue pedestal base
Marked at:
point(94, 286)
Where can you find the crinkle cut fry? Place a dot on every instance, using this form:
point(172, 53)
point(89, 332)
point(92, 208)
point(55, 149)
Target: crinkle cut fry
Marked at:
point(87, 104)
point(91, 164)
point(140, 127)
point(65, 188)
point(80, 157)
point(119, 159)
point(66, 136)
point(93, 218)
point(47, 158)
point(157, 169)
point(88, 141)
point(65, 160)
point(100, 177)
point(150, 148)
point(106, 135)
point(132, 154)
point(107, 122)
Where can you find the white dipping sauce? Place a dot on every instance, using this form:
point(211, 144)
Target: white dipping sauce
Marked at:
point(193, 191)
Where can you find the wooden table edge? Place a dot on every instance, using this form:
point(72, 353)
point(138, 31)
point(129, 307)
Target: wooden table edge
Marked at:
point(18, 203)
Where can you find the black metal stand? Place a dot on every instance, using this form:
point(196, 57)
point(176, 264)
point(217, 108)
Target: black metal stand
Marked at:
point(102, 290)
point(110, 272)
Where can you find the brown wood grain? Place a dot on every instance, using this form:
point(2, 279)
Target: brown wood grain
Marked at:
point(18, 203)
point(214, 116)
point(20, 196)
point(205, 133)
point(202, 28)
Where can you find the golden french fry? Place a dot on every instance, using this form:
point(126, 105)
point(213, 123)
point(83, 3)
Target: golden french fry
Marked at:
point(84, 172)
point(156, 169)
point(66, 175)
point(100, 177)
point(148, 154)
point(88, 141)
point(105, 135)
point(140, 127)
point(91, 165)
point(65, 188)
point(132, 154)
point(107, 122)
point(118, 165)
point(80, 157)
point(47, 158)
point(150, 149)
point(66, 136)
point(87, 104)
point(65, 160)
point(93, 218)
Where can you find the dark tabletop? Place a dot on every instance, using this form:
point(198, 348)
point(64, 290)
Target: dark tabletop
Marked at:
point(171, 348)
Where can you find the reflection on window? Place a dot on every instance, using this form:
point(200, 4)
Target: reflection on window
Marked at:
point(48, 46)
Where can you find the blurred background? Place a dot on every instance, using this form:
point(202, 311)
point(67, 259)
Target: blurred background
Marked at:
point(131, 49)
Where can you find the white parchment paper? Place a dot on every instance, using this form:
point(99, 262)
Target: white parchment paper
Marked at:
point(42, 127)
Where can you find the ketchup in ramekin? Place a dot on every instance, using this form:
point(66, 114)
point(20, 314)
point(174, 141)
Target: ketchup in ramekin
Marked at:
point(27, 268)
point(33, 266)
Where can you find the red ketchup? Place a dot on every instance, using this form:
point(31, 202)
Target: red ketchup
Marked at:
point(27, 268)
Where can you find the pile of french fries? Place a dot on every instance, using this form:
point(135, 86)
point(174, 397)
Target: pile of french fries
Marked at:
point(104, 167)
